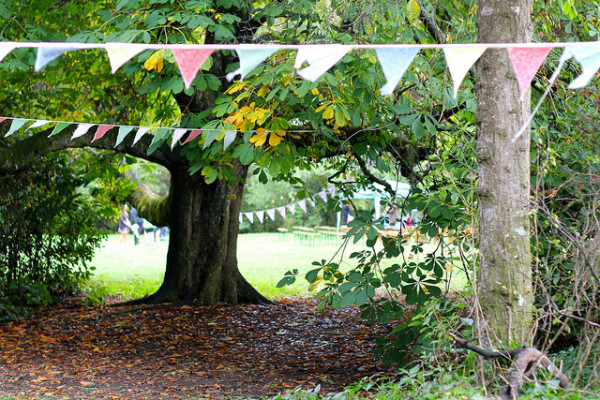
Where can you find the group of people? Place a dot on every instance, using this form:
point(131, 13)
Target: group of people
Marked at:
point(391, 220)
point(129, 220)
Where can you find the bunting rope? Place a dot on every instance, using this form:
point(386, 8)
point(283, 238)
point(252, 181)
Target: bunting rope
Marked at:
point(313, 60)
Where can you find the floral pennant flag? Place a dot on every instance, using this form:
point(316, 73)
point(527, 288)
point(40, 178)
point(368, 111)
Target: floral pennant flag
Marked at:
point(250, 217)
point(138, 135)
point(177, 134)
point(320, 59)
point(101, 131)
point(281, 211)
point(48, 54)
point(120, 53)
point(394, 63)
point(271, 214)
point(123, 132)
point(193, 135)
point(302, 204)
point(16, 125)
point(589, 58)
point(526, 62)
point(81, 130)
point(249, 59)
point(189, 62)
point(459, 61)
point(292, 208)
point(260, 215)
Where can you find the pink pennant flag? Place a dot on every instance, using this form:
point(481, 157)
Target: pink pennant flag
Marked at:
point(193, 135)
point(526, 62)
point(271, 214)
point(2, 120)
point(101, 131)
point(189, 62)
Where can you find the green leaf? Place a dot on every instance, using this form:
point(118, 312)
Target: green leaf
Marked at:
point(417, 128)
point(412, 10)
point(312, 275)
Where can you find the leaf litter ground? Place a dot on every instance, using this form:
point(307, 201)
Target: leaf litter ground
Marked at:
point(72, 351)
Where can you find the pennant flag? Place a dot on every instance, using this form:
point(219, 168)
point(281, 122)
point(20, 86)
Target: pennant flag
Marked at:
point(302, 204)
point(123, 132)
point(322, 194)
point(177, 134)
point(120, 53)
point(101, 131)
point(250, 217)
point(48, 54)
point(241, 218)
point(589, 58)
point(282, 211)
point(459, 61)
point(189, 62)
point(320, 59)
point(141, 132)
point(2, 120)
point(311, 201)
point(249, 59)
point(17, 124)
point(292, 208)
point(59, 127)
point(526, 62)
point(331, 190)
point(228, 139)
point(37, 124)
point(5, 49)
point(260, 215)
point(394, 63)
point(81, 130)
point(271, 214)
point(193, 135)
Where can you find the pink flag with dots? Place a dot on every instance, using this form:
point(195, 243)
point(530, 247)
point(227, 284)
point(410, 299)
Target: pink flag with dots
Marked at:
point(526, 62)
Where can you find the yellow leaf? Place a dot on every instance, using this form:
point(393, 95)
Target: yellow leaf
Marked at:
point(328, 114)
point(274, 139)
point(321, 108)
point(315, 91)
point(412, 10)
point(155, 61)
point(260, 137)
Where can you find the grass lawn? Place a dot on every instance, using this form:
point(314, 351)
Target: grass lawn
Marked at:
point(263, 258)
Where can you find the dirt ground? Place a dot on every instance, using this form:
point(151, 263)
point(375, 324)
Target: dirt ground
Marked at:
point(72, 351)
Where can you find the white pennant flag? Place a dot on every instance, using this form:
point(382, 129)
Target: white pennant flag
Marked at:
point(37, 124)
point(250, 217)
point(260, 215)
point(323, 194)
point(271, 214)
point(320, 58)
point(228, 139)
point(47, 54)
point(250, 59)
point(177, 134)
point(302, 204)
point(394, 63)
point(241, 218)
point(120, 53)
point(81, 130)
point(459, 61)
point(292, 208)
point(5, 49)
point(281, 211)
point(331, 190)
point(141, 132)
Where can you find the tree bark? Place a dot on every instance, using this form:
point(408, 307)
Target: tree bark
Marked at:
point(504, 278)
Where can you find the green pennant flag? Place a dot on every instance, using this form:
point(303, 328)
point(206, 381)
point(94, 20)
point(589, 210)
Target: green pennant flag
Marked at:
point(123, 131)
point(59, 127)
point(16, 125)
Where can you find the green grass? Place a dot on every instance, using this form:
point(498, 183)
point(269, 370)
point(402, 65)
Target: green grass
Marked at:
point(263, 258)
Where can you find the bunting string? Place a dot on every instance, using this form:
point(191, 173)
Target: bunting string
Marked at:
point(312, 61)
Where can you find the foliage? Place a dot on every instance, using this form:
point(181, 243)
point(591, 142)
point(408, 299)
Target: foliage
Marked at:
point(47, 234)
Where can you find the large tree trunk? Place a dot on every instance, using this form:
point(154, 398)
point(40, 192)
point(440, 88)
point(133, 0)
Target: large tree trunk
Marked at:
point(504, 278)
point(202, 261)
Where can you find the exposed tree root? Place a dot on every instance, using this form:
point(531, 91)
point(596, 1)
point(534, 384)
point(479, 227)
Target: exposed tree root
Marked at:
point(524, 359)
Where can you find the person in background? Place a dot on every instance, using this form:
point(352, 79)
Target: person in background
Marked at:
point(345, 213)
point(124, 224)
point(137, 225)
point(392, 213)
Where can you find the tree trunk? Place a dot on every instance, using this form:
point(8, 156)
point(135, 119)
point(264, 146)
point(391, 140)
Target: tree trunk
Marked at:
point(202, 261)
point(504, 279)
